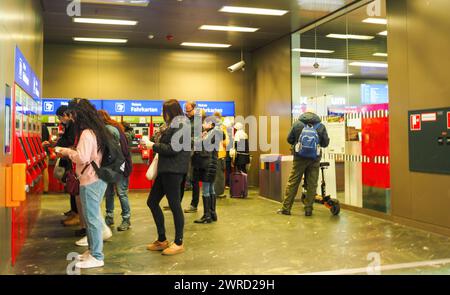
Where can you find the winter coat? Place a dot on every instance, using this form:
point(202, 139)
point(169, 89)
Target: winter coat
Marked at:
point(297, 128)
point(204, 162)
point(171, 160)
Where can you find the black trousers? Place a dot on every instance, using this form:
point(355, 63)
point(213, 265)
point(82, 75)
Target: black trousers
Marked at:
point(73, 204)
point(195, 193)
point(167, 185)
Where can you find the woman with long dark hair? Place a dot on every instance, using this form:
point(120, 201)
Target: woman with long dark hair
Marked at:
point(173, 165)
point(90, 147)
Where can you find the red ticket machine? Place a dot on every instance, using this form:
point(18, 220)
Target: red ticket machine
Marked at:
point(24, 176)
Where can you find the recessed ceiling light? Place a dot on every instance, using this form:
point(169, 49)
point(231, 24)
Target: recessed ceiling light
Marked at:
point(369, 64)
point(229, 28)
point(325, 74)
point(215, 45)
point(384, 33)
point(377, 21)
point(347, 36)
point(99, 40)
point(151, 36)
point(312, 50)
point(143, 3)
point(380, 54)
point(102, 21)
point(252, 10)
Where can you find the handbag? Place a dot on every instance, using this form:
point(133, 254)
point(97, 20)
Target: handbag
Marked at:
point(152, 171)
point(73, 182)
point(58, 171)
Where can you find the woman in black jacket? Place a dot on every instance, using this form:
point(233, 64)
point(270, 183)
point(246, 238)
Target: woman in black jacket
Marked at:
point(172, 168)
point(204, 163)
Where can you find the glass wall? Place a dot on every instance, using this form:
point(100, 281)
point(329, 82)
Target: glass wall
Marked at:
point(340, 73)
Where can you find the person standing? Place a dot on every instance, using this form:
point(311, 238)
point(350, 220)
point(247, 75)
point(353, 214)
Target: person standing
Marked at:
point(219, 183)
point(303, 166)
point(172, 168)
point(90, 148)
point(204, 163)
point(241, 148)
point(190, 112)
point(122, 187)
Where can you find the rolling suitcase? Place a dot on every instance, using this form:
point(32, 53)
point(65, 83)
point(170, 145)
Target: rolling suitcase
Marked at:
point(238, 185)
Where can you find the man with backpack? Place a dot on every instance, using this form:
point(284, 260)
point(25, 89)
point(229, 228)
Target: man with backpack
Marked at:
point(307, 136)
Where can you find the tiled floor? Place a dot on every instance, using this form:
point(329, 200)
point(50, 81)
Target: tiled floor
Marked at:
point(249, 238)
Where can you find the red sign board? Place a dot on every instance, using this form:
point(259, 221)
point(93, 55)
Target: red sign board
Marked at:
point(415, 122)
point(448, 120)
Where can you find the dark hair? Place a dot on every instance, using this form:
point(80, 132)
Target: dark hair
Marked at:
point(85, 116)
point(61, 111)
point(127, 126)
point(109, 121)
point(171, 109)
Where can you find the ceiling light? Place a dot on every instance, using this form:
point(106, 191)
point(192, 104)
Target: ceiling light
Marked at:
point(377, 21)
point(384, 33)
point(369, 64)
point(312, 50)
point(99, 40)
point(191, 44)
point(251, 10)
point(102, 21)
point(347, 36)
point(380, 54)
point(325, 74)
point(228, 28)
point(143, 3)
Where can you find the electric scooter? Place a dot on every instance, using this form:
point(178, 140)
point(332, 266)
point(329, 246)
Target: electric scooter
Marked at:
point(324, 199)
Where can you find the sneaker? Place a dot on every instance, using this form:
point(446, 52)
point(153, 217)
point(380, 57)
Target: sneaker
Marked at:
point(283, 212)
point(72, 221)
point(83, 242)
point(109, 220)
point(191, 209)
point(125, 225)
point(90, 262)
point(80, 232)
point(107, 234)
point(158, 246)
point(84, 256)
point(173, 249)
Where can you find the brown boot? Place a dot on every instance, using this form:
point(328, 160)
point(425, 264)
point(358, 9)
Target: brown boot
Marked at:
point(158, 246)
point(74, 220)
point(174, 249)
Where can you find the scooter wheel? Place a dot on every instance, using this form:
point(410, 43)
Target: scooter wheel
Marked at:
point(335, 209)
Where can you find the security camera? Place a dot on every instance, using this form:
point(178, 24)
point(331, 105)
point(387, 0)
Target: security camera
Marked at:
point(237, 66)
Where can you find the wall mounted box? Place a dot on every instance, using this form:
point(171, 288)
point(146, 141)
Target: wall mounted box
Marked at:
point(429, 140)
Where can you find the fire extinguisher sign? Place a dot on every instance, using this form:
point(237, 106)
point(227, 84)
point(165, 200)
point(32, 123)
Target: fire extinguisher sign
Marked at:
point(448, 120)
point(415, 122)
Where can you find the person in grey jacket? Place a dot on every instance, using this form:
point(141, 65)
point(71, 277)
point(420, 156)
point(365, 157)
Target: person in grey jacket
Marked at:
point(309, 168)
point(173, 166)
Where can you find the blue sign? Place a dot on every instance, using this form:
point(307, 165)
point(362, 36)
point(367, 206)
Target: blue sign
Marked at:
point(25, 77)
point(225, 108)
point(51, 105)
point(374, 93)
point(133, 107)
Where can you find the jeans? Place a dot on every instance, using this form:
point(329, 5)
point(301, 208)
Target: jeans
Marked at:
point(167, 185)
point(122, 192)
point(208, 189)
point(91, 198)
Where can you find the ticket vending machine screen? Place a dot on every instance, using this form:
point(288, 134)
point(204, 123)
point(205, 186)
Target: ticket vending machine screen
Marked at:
point(24, 149)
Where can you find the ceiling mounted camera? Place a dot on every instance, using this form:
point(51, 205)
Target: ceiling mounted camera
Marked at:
point(238, 66)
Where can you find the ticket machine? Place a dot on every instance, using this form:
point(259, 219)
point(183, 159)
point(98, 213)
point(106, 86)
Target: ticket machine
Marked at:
point(24, 181)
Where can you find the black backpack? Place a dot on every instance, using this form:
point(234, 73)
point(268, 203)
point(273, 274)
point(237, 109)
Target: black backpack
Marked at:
point(113, 163)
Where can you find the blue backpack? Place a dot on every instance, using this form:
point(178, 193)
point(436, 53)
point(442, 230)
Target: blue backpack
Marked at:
point(308, 142)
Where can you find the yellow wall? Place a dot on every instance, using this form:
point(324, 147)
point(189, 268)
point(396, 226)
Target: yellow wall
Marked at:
point(270, 88)
point(20, 24)
point(418, 47)
point(138, 73)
